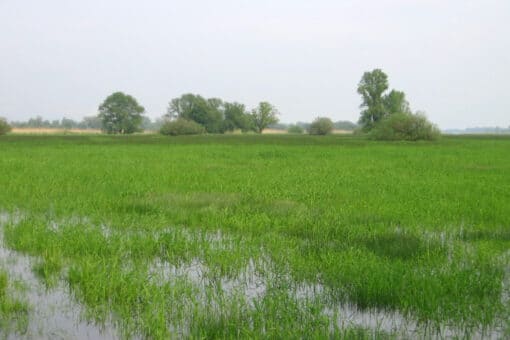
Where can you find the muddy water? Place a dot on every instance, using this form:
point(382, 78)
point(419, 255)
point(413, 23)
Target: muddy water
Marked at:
point(54, 313)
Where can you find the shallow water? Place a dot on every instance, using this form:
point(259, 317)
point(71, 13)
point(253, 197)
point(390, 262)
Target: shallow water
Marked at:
point(54, 313)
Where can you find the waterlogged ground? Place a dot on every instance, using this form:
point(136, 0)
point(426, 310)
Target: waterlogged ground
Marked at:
point(255, 236)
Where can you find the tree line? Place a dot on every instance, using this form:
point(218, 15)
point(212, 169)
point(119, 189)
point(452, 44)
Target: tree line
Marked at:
point(384, 115)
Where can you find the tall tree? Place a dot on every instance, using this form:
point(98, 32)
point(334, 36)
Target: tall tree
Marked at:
point(264, 115)
point(121, 113)
point(371, 88)
point(395, 102)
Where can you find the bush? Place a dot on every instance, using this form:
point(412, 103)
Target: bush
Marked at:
point(405, 126)
point(4, 127)
point(295, 129)
point(321, 126)
point(182, 127)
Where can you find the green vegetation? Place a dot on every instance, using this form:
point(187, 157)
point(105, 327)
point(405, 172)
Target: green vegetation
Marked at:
point(321, 126)
point(296, 129)
point(389, 116)
point(226, 236)
point(182, 126)
point(121, 113)
point(4, 127)
point(218, 116)
point(345, 125)
point(13, 313)
point(405, 126)
point(263, 116)
point(206, 112)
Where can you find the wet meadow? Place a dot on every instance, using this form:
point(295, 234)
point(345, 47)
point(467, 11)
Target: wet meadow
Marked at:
point(248, 236)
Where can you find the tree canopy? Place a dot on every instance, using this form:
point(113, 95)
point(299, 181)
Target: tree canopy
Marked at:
point(264, 115)
point(236, 117)
point(206, 112)
point(321, 126)
point(121, 113)
point(216, 115)
point(371, 88)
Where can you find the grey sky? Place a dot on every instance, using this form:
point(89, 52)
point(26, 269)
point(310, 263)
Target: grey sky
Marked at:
point(62, 58)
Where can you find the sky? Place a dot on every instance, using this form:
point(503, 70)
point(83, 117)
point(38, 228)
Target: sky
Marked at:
point(63, 58)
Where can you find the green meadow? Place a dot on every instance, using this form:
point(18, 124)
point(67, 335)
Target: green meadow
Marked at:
point(272, 236)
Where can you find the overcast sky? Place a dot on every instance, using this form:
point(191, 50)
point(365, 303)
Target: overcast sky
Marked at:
point(62, 58)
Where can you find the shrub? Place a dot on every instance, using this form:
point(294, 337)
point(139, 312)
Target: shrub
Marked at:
point(405, 126)
point(181, 126)
point(321, 126)
point(295, 129)
point(4, 127)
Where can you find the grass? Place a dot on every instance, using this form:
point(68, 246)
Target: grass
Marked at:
point(213, 236)
point(13, 312)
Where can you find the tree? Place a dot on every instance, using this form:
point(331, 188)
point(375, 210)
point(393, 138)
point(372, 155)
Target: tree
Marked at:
point(121, 113)
point(206, 112)
point(371, 88)
point(263, 116)
point(395, 102)
point(4, 126)
point(236, 117)
point(321, 126)
point(375, 104)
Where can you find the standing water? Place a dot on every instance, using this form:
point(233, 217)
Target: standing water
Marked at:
point(54, 313)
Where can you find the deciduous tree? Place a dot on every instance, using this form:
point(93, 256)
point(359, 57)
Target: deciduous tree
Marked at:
point(264, 115)
point(121, 113)
point(371, 88)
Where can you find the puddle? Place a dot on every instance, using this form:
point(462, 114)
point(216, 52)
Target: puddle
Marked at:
point(54, 313)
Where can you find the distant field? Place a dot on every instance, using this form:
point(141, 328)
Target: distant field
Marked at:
point(272, 236)
point(94, 131)
point(53, 131)
point(276, 131)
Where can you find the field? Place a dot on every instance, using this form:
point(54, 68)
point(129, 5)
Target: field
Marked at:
point(52, 131)
point(237, 236)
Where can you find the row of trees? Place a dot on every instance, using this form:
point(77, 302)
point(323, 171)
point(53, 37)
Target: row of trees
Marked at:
point(218, 116)
point(92, 122)
point(194, 114)
point(121, 113)
point(384, 115)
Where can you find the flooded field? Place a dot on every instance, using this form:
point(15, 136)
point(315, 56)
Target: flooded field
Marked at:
point(198, 237)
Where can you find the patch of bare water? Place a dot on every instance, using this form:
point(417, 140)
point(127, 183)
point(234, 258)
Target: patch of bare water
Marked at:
point(54, 313)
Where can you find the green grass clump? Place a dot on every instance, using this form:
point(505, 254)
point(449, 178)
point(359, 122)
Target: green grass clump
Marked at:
point(13, 312)
point(156, 231)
